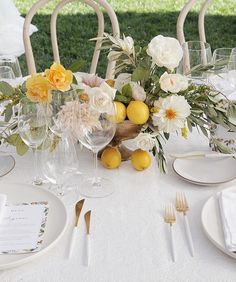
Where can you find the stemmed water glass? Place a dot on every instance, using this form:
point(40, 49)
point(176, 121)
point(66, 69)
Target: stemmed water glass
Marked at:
point(196, 55)
point(223, 73)
point(13, 63)
point(6, 74)
point(32, 127)
point(96, 128)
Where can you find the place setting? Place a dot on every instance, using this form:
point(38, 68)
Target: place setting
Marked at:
point(89, 156)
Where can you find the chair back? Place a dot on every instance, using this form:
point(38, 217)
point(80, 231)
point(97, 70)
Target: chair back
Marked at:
point(201, 20)
point(201, 23)
point(96, 6)
point(26, 35)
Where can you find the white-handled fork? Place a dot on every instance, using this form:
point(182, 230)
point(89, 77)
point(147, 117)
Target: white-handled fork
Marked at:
point(170, 219)
point(182, 206)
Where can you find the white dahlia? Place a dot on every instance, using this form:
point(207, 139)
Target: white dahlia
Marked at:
point(171, 114)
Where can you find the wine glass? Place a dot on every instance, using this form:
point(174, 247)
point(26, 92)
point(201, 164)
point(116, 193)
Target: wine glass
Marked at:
point(232, 73)
point(7, 74)
point(13, 63)
point(32, 127)
point(196, 55)
point(222, 75)
point(59, 159)
point(96, 128)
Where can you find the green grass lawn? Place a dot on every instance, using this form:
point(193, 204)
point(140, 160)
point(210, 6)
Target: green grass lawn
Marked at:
point(142, 19)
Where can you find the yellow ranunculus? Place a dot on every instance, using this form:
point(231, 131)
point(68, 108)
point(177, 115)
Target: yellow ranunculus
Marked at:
point(59, 77)
point(38, 89)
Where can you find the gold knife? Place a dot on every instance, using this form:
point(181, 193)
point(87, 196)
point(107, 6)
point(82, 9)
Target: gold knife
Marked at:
point(87, 218)
point(78, 208)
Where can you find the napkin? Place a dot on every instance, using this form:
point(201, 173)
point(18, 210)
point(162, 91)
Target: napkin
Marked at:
point(3, 200)
point(227, 203)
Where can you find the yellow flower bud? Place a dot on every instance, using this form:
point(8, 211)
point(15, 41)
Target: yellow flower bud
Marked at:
point(184, 132)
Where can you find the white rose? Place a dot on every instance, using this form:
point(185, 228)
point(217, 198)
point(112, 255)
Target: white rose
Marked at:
point(138, 92)
point(121, 80)
point(165, 51)
point(173, 83)
point(145, 141)
point(108, 89)
point(100, 101)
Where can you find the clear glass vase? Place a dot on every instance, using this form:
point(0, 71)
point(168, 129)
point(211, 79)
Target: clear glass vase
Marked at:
point(59, 162)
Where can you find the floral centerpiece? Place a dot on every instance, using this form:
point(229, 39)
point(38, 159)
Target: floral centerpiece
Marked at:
point(152, 101)
point(160, 100)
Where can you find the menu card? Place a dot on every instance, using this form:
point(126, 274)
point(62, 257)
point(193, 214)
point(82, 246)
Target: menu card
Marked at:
point(22, 227)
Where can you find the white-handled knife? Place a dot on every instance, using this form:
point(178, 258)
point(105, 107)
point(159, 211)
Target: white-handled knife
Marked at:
point(78, 208)
point(201, 155)
point(87, 217)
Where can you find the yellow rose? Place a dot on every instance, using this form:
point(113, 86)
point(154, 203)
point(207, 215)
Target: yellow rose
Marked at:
point(38, 89)
point(59, 77)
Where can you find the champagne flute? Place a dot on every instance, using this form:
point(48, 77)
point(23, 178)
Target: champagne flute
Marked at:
point(195, 55)
point(32, 127)
point(96, 128)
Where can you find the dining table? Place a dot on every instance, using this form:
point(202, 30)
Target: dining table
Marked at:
point(130, 242)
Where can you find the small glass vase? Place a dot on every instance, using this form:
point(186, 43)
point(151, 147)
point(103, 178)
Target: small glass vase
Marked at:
point(59, 162)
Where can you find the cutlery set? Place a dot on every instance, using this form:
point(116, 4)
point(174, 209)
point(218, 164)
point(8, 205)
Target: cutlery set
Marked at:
point(181, 206)
point(87, 216)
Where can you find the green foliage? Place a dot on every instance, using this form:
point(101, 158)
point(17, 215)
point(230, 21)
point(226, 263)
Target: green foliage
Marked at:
point(141, 19)
point(15, 140)
point(79, 65)
point(6, 89)
point(140, 73)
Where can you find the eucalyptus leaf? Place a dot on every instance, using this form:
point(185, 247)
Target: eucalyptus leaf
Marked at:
point(21, 147)
point(6, 89)
point(221, 147)
point(12, 139)
point(8, 113)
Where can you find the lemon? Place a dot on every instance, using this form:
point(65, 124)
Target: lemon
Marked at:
point(140, 159)
point(111, 158)
point(137, 112)
point(120, 112)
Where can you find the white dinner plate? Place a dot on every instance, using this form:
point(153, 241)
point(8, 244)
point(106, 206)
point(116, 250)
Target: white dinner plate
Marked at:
point(206, 171)
point(211, 222)
point(55, 226)
point(7, 163)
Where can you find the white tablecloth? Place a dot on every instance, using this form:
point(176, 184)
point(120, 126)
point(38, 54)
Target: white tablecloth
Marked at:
point(130, 241)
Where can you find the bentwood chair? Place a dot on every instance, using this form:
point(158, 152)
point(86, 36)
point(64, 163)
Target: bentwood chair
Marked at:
point(182, 17)
point(95, 5)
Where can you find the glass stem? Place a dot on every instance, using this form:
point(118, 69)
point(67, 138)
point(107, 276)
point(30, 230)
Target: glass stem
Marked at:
point(95, 158)
point(37, 180)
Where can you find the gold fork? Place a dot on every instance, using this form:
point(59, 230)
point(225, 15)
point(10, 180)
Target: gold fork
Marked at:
point(182, 206)
point(170, 219)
